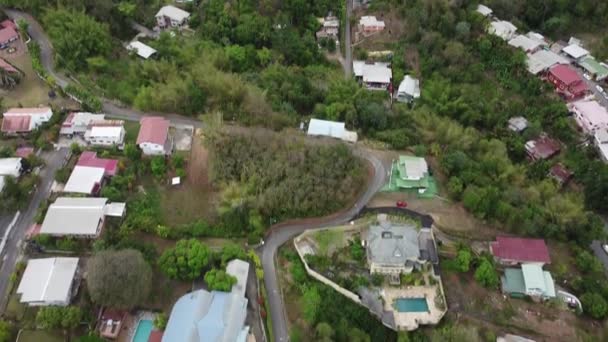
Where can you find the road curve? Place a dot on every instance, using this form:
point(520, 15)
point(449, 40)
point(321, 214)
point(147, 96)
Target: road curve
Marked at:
point(280, 233)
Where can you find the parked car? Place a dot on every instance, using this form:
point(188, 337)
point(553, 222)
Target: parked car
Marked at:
point(599, 88)
point(401, 204)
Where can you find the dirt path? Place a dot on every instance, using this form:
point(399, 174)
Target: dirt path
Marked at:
point(198, 173)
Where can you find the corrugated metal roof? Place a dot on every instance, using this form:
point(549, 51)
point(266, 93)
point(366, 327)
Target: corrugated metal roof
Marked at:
point(240, 270)
point(154, 130)
point(173, 12)
point(142, 50)
point(48, 280)
point(575, 51)
point(74, 216)
point(326, 128)
point(10, 167)
point(84, 179)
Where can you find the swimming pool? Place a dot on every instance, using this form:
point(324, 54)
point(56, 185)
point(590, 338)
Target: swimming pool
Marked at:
point(144, 329)
point(411, 305)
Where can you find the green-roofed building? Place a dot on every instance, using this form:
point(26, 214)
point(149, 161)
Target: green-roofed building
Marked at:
point(530, 280)
point(594, 68)
point(412, 173)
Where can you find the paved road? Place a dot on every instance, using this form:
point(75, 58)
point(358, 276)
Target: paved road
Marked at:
point(348, 50)
point(282, 233)
point(54, 161)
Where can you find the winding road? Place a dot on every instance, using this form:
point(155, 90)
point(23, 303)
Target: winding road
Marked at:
point(277, 234)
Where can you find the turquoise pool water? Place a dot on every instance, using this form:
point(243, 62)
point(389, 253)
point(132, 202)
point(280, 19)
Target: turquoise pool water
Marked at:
point(411, 305)
point(144, 329)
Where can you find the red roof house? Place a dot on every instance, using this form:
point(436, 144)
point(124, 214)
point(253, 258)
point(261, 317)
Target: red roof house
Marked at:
point(567, 82)
point(24, 152)
point(89, 158)
point(8, 23)
point(16, 124)
point(7, 35)
point(560, 173)
point(23, 120)
point(542, 148)
point(153, 137)
point(514, 250)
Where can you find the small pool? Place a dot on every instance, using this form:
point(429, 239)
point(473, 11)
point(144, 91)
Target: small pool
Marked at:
point(144, 329)
point(411, 305)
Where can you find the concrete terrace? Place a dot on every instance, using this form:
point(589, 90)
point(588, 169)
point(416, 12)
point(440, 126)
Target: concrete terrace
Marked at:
point(411, 320)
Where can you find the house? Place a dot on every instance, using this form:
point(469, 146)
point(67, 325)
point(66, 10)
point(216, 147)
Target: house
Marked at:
point(374, 76)
point(531, 280)
point(48, 281)
point(142, 50)
point(11, 167)
point(409, 89)
point(394, 248)
point(212, 316)
point(106, 133)
point(330, 29)
point(560, 174)
point(77, 123)
point(89, 174)
point(538, 38)
point(24, 120)
point(503, 29)
point(7, 35)
point(111, 323)
point(484, 10)
point(79, 217)
point(600, 139)
point(542, 60)
point(513, 250)
point(525, 43)
point(575, 51)
point(412, 173)
point(331, 129)
point(589, 115)
point(171, 17)
point(567, 82)
point(518, 124)
point(154, 137)
point(542, 148)
point(24, 152)
point(597, 70)
point(7, 67)
point(369, 24)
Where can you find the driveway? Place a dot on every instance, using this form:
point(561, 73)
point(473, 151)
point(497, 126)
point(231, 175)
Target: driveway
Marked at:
point(54, 161)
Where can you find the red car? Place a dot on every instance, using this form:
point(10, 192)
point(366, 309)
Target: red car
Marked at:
point(401, 204)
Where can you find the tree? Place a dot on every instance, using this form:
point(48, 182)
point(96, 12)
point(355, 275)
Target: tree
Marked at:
point(119, 279)
point(358, 335)
point(595, 305)
point(160, 321)
point(5, 331)
point(357, 251)
point(232, 251)
point(158, 166)
point(219, 280)
point(53, 317)
point(324, 332)
point(132, 152)
point(76, 37)
point(486, 274)
point(311, 301)
point(463, 260)
point(186, 260)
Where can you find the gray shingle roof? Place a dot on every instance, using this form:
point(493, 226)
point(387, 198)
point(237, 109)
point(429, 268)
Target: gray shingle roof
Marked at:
point(393, 244)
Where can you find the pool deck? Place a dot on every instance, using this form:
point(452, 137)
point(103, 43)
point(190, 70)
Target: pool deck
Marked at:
point(411, 320)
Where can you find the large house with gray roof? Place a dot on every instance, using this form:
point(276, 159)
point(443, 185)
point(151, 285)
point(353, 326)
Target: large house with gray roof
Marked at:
point(394, 248)
point(216, 316)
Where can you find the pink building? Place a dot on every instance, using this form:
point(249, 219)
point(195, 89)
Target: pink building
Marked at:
point(589, 115)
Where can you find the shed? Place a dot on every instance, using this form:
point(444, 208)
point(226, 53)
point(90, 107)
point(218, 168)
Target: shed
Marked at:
point(142, 50)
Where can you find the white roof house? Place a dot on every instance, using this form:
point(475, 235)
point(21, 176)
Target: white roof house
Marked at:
point(518, 124)
point(525, 43)
point(590, 115)
point(371, 23)
point(484, 10)
point(81, 217)
point(601, 141)
point(173, 13)
point(105, 135)
point(10, 167)
point(575, 51)
point(502, 29)
point(377, 74)
point(537, 37)
point(79, 121)
point(409, 89)
point(542, 60)
point(142, 50)
point(48, 281)
point(84, 180)
point(20, 120)
point(331, 129)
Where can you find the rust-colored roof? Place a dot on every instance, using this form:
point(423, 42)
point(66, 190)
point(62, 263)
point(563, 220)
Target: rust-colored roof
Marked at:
point(89, 158)
point(521, 249)
point(154, 129)
point(16, 124)
point(560, 172)
point(565, 74)
point(31, 110)
point(24, 152)
point(7, 33)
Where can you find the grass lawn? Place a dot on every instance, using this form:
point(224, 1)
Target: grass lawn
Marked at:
point(40, 335)
point(186, 203)
point(132, 129)
point(31, 91)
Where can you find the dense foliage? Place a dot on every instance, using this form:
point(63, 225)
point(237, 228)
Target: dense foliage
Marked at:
point(186, 260)
point(54, 317)
point(219, 280)
point(119, 279)
point(279, 176)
